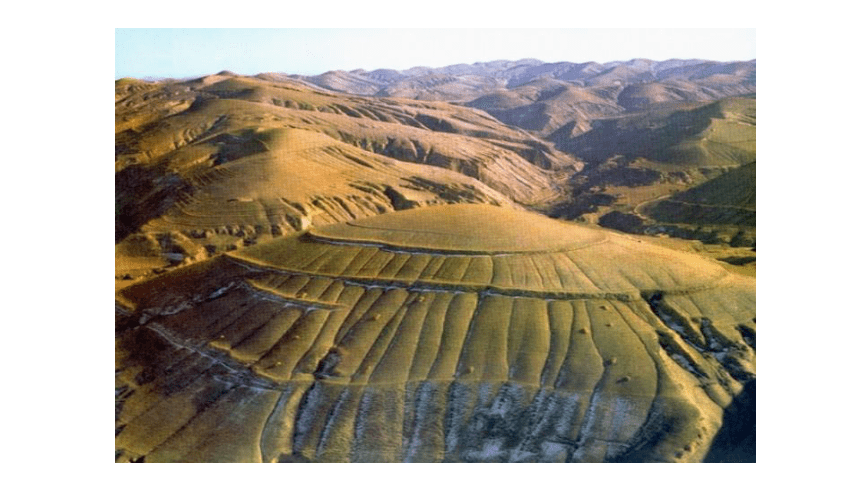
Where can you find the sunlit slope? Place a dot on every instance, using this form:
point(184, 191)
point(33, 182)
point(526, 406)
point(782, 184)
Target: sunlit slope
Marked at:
point(371, 123)
point(211, 164)
point(282, 180)
point(302, 178)
point(450, 333)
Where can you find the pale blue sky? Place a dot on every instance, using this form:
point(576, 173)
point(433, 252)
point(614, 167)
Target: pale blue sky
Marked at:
point(195, 52)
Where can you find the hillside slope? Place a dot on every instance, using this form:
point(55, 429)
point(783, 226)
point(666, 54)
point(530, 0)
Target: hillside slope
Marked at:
point(210, 164)
point(423, 336)
point(645, 129)
point(728, 199)
point(691, 161)
point(715, 134)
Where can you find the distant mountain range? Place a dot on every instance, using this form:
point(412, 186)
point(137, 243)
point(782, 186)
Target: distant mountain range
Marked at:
point(439, 83)
point(543, 96)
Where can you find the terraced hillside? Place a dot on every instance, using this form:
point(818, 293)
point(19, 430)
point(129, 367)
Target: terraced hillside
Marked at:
point(208, 165)
point(439, 334)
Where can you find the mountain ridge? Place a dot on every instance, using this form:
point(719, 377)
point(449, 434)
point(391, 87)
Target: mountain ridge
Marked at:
point(515, 73)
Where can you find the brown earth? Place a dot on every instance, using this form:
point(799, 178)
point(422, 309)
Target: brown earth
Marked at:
point(427, 336)
point(301, 261)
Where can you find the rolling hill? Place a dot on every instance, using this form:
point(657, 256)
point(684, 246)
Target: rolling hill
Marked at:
point(645, 129)
point(684, 164)
point(716, 134)
point(439, 334)
point(728, 199)
point(211, 164)
point(428, 265)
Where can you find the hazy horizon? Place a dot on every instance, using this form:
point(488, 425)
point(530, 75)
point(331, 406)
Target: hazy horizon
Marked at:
point(183, 53)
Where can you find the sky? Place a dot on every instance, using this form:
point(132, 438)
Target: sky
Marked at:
point(181, 53)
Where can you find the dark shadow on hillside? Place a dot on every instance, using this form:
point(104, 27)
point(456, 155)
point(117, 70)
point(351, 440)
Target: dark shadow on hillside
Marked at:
point(141, 194)
point(650, 134)
point(735, 442)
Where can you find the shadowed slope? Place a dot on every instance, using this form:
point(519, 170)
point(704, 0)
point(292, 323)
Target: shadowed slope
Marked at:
point(679, 164)
point(543, 106)
point(435, 334)
point(715, 134)
point(728, 199)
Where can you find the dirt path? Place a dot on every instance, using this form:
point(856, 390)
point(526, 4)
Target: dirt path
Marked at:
point(650, 200)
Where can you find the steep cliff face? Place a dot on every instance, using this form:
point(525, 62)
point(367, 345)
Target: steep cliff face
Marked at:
point(498, 335)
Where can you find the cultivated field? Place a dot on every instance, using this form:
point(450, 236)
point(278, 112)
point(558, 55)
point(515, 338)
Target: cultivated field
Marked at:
point(401, 338)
